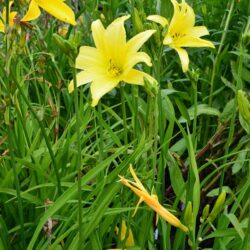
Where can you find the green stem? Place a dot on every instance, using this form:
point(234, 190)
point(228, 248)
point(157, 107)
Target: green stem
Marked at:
point(124, 114)
point(79, 175)
point(99, 137)
point(159, 128)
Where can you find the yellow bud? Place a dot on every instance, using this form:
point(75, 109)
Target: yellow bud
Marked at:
point(217, 206)
point(138, 22)
point(205, 213)
point(189, 216)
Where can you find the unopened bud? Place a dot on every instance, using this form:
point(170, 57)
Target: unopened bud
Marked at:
point(205, 213)
point(151, 86)
point(138, 21)
point(217, 206)
point(189, 216)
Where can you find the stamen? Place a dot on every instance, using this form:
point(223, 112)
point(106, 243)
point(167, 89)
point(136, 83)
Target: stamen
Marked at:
point(114, 70)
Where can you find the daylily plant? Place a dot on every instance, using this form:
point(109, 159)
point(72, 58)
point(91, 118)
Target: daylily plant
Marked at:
point(181, 31)
point(151, 200)
point(56, 8)
point(112, 60)
point(11, 18)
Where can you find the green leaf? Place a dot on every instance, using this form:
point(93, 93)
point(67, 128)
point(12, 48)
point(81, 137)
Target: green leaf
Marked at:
point(233, 219)
point(202, 109)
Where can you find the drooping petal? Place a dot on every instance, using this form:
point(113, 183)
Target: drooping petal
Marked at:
point(158, 19)
point(184, 58)
point(137, 77)
point(135, 58)
point(90, 58)
point(197, 31)
point(98, 33)
point(100, 87)
point(58, 9)
point(135, 43)
point(33, 12)
point(189, 41)
point(81, 78)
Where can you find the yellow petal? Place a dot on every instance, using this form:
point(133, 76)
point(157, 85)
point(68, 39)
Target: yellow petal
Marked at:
point(137, 77)
point(135, 58)
point(138, 182)
point(90, 58)
point(183, 18)
point(98, 33)
point(58, 9)
point(197, 31)
point(168, 40)
point(130, 239)
point(115, 37)
point(81, 78)
point(33, 12)
point(1, 27)
point(12, 18)
point(158, 19)
point(184, 58)
point(100, 87)
point(119, 21)
point(193, 42)
point(137, 206)
point(137, 41)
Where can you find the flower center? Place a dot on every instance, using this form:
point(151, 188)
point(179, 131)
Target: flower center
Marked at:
point(113, 69)
point(177, 35)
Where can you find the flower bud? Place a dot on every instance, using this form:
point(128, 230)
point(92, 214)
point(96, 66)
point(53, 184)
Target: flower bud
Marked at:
point(189, 216)
point(151, 87)
point(138, 21)
point(217, 206)
point(205, 213)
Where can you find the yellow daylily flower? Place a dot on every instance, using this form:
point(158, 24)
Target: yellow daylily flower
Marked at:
point(182, 32)
point(56, 8)
point(112, 60)
point(151, 200)
point(12, 16)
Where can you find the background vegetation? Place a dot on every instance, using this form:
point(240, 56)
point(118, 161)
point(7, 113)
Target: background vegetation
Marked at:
point(59, 184)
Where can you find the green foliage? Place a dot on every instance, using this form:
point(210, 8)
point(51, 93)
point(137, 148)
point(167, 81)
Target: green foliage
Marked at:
point(187, 137)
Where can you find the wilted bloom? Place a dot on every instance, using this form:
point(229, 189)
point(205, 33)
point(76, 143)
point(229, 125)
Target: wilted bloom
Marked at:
point(151, 200)
point(56, 8)
point(112, 60)
point(11, 18)
point(181, 31)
